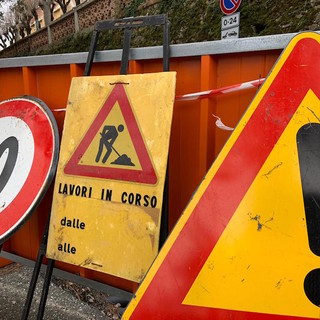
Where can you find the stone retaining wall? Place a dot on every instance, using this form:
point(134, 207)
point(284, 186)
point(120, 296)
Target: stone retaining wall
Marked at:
point(80, 18)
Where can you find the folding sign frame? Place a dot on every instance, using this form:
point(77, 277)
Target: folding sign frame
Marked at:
point(127, 24)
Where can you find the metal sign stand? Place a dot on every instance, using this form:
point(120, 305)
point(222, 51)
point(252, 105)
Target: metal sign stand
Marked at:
point(127, 24)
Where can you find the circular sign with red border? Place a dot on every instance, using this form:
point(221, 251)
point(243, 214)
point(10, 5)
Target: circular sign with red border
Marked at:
point(229, 6)
point(29, 144)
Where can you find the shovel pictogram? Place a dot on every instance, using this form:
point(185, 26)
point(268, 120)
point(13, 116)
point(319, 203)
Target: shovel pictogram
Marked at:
point(109, 135)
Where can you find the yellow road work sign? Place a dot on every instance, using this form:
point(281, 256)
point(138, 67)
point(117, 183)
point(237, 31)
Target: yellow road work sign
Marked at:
point(108, 192)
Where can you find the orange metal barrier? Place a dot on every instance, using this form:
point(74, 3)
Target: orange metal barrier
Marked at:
point(195, 140)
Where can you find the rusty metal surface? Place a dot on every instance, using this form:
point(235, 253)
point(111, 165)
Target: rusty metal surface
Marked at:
point(108, 193)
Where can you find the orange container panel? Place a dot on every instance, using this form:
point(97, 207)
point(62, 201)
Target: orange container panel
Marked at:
point(11, 83)
point(107, 68)
point(53, 85)
point(195, 139)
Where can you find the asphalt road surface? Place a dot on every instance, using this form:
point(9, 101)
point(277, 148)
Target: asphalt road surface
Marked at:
point(61, 304)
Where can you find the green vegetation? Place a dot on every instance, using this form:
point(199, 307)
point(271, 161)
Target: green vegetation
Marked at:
point(200, 20)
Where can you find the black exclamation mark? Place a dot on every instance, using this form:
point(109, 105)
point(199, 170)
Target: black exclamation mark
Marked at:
point(308, 142)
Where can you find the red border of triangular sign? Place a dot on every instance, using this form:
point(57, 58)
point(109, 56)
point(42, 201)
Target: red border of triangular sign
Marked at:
point(147, 175)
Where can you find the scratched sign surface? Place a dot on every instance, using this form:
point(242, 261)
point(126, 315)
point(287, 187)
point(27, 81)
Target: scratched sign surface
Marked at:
point(29, 147)
point(108, 192)
point(247, 245)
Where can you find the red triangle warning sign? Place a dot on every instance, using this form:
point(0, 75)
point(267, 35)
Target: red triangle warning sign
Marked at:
point(113, 147)
point(247, 245)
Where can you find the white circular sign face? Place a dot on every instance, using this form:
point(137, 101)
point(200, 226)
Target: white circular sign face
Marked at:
point(21, 136)
point(28, 159)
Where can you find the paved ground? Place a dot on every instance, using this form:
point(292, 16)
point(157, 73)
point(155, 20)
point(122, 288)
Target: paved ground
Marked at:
point(61, 304)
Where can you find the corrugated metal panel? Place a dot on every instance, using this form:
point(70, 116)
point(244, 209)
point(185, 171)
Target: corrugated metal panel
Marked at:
point(195, 140)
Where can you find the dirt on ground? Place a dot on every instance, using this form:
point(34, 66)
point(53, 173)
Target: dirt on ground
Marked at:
point(90, 296)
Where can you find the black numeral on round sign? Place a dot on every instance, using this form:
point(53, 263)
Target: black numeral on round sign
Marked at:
point(308, 142)
point(12, 145)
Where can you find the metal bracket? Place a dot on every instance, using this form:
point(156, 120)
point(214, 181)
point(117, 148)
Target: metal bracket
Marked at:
point(127, 24)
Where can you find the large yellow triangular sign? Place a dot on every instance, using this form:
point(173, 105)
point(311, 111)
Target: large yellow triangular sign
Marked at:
point(247, 245)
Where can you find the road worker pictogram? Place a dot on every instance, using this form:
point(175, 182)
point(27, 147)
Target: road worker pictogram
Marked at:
point(109, 135)
point(114, 144)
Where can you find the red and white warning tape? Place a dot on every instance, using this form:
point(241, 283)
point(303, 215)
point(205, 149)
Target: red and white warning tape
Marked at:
point(208, 93)
point(59, 110)
point(228, 89)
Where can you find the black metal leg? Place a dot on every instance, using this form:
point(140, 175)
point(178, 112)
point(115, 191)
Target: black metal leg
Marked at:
point(164, 227)
point(45, 289)
point(92, 50)
point(33, 284)
point(166, 46)
point(36, 271)
point(125, 51)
